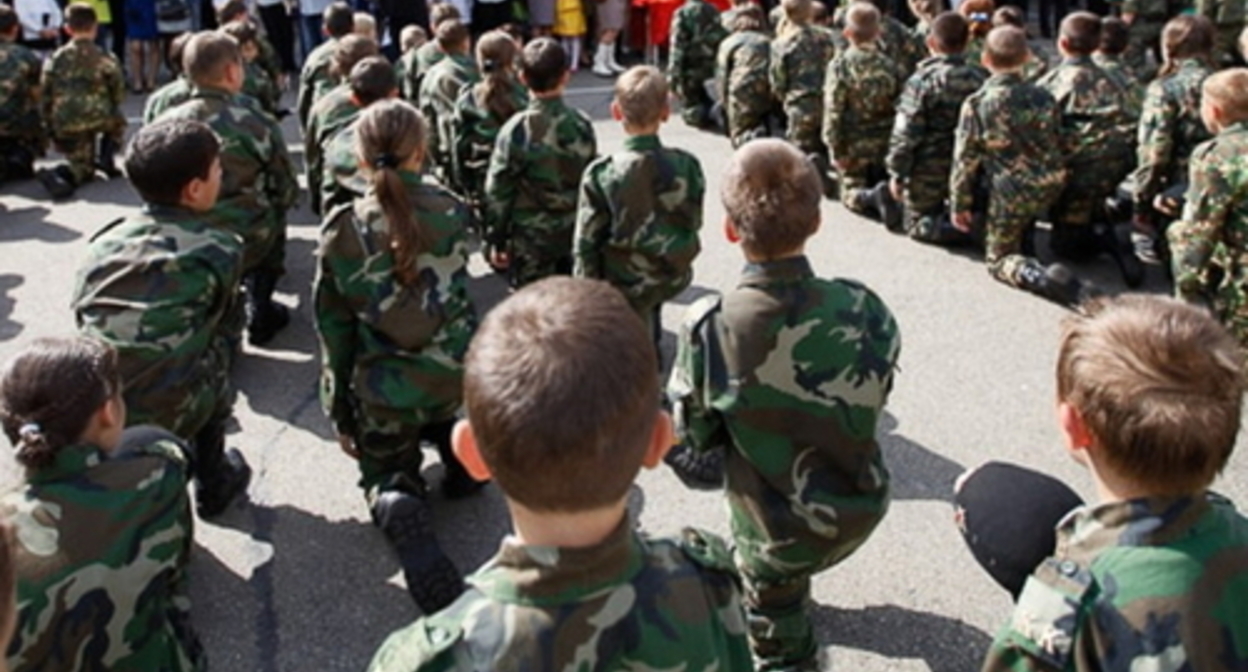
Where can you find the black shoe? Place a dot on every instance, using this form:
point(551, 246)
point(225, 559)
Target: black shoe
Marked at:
point(405, 519)
point(831, 187)
point(697, 469)
point(106, 158)
point(888, 207)
point(267, 319)
point(1121, 252)
point(215, 492)
point(457, 484)
point(58, 184)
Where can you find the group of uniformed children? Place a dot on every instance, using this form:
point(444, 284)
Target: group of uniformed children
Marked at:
point(776, 391)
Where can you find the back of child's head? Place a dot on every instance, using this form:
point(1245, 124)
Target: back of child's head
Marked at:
point(748, 18)
point(496, 57)
point(349, 50)
point(372, 79)
point(1080, 32)
point(1228, 90)
point(207, 56)
point(1006, 48)
point(1159, 385)
point(338, 19)
point(164, 157)
point(412, 37)
point(80, 17)
point(1009, 15)
point(232, 10)
point(543, 62)
point(387, 135)
point(545, 411)
point(177, 47)
point(1115, 36)
point(926, 10)
point(452, 35)
point(8, 20)
point(243, 32)
point(862, 22)
point(1187, 36)
point(364, 25)
point(818, 13)
point(442, 11)
point(771, 194)
point(49, 392)
point(978, 15)
point(641, 93)
point(798, 12)
point(950, 32)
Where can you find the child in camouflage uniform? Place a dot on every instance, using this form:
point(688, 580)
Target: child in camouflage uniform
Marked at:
point(427, 55)
point(1154, 575)
point(176, 91)
point(860, 95)
point(161, 288)
point(82, 93)
point(315, 79)
point(640, 210)
point(335, 110)
point(534, 173)
point(394, 320)
point(576, 586)
point(799, 61)
point(371, 80)
point(256, 82)
point(1108, 56)
point(741, 74)
point(411, 39)
point(787, 376)
point(1209, 245)
point(103, 520)
point(696, 34)
point(440, 89)
point(21, 129)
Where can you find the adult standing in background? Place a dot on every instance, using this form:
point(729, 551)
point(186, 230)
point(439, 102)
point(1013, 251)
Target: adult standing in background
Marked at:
point(141, 35)
point(310, 23)
point(611, 15)
point(399, 14)
point(488, 15)
point(41, 25)
point(104, 34)
point(173, 17)
point(277, 26)
point(541, 17)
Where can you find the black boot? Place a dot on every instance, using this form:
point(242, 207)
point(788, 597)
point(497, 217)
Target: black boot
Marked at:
point(59, 182)
point(888, 207)
point(1055, 283)
point(106, 158)
point(406, 520)
point(221, 474)
point(1120, 250)
point(697, 469)
point(457, 483)
point(264, 317)
point(831, 187)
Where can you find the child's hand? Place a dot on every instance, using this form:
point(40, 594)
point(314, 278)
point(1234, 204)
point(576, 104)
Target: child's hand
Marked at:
point(962, 221)
point(1166, 206)
point(347, 444)
point(499, 259)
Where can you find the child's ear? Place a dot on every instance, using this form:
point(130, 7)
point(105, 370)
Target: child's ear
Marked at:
point(667, 110)
point(731, 232)
point(464, 443)
point(661, 440)
point(192, 192)
point(1079, 439)
point(616, 113)
point(111, 415)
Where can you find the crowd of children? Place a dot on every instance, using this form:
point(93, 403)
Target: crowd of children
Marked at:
point(778, 385)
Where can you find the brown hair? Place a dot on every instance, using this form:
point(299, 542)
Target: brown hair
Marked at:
point(80, 17)
point(1115, 36)
point(411, 37)
point(244, 32)
point(177, 46)
point(925, 10)
point(231, 11)
point(771, 193)
point(1159, 384)
point(1186, 36)
point(8, 19)
point(544, 409)
point(372, 79)
point(1081, 31)
point(543, 62)
point(1229, 90)
point(1006, 47)
point(496, 56)
point(862, 22)
point(1009, 15)
point(797, 12)
point(749, 17)
point(349, 50)
point(451, 35)
point(164, 156)
point(950, 31)
point(338, 19)
point(49, 391)
point(442, 11)
point(641, 93)
point(388, 133)
point(978, 15)
point(207, 55)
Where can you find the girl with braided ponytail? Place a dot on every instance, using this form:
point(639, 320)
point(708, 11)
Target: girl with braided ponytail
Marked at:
point(103, 520)
point(394, 321)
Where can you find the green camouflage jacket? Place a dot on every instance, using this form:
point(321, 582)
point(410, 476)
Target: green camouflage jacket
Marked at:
point(258, 85)
point(860, 100)
point(1096, 124)
point(1145, 584)
point(158, 287)
point(741, 68)
point(1118, 69)
point(474, 132)
point(627, 603)
point(385, 345)
point(789, 374)
point(1170, 128)
point(314, 79)
point(439, 90)
point(103, 542)
point(333, 112)
point(167, 97)
point(342, 181)
point(82, 90)
point(695, 37)
point(426, 56)
point(799, 65)
point(20, 70)
point(638, 220)
point(927, 115)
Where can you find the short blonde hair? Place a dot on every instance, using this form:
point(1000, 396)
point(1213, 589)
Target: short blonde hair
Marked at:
point(1006, 47)
point(1159, 384)
point(798, 12)
point(1229, 89)
point(364, 25)
point(641, 93)
point(771, 194)
point(411, 37)
point(862, 22)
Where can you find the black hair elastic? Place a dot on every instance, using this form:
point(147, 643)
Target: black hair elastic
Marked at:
point(385, 161)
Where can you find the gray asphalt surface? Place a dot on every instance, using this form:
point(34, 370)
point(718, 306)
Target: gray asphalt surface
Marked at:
point(298, 579)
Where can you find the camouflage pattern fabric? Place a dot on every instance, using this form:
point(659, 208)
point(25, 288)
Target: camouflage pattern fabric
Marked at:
point(20, 71)
point(741, 68)
point(532, 184)
point(629, 602)
point(258, 85)
point(404, 68)
point(422, 61)
point(342, 181)
point(82, 92)
point(333, 112)
point(160, 288)
point(920, 151)
point(900, 45)
point(438, 92)
point(1209, 245)
point(1121, 73)
point(1154, 583)
point(789, 374)
point(695, 37)
point(103, 542)
point(1144, 31)
point(315, 79)
point(1007, 147)
point(1228, 19)
point(258, 183)
point(392, 352)
point(1170, 128)
point(167, 97)
point(799, 62)
point(638, 220)
point(1095, 134)
point(860, 97)
point(474, 132)
point(268, 61)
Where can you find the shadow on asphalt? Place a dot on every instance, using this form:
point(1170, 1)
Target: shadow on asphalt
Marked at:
point(30, 223)
point(945, 644)
point(917, 473)
point(9, 328)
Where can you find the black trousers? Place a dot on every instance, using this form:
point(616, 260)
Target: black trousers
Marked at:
point(281, 32)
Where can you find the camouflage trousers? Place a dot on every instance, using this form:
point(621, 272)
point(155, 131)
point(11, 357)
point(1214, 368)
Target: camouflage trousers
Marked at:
point(1012, 213)
point(80, 152)
point(270, 260)
point(745, 122)
point(390, 451)
point(695, 101)
point(1081, 204)
point(778, 622)
point(805, 127)
point(925, 207)
point(1144, 37)
point(860, 176)
point(17, 158)
point(1230, 305)
point(535, 255)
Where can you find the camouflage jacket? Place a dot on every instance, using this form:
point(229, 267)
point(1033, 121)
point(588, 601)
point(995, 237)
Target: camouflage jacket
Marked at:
point(169, 96)
point(82, 90)
point(789, 374)
point(258, 85)
point(1209, 245)
point(534, 173)
point(103, 541)
point(20, 70)
point(1009, 134)
point(1221, 12)
point(696, 34)
point(860, 98)
point(333, 112)
point(384, 345)
point(474, 132)
point(799, 64)
point(404, 71)
point(900, 45)
point(315, 79)
point(927, 115)
point(426, 56)
point(1150, 10)
point(157, 287)
point(342, 181)
point(1096, 126)
point(629, 602)
point(638, 220)
point(258, 182)
point(1170, 128)
point(439, 90)
point(1140, 584)
point(741, 68)
point(1118, 69)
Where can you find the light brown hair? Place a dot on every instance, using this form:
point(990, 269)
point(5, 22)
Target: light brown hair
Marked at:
point(452, 35)
point(1115, 36)
point(1185, 36)
point(442, 11)
point(641, 93)
point(387, 134)
point(771, 193)
point(412, 37)
point(1159, 384)
point(545, 411)
point(372, 79)
point(798, 12)
point(1006, 48)
point(207, 55)
point(862, 22)
point(80, 17)
point(950, 32)
point(1229, 90)
point(1082, 32)
point(349, 50)
point(496, 57)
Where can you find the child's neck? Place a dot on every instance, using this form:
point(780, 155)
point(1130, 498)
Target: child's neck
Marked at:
point(761, 259)
point(638, 131)
point(866, 45)
point(553, 94)
point(1111, 487)
point(566, 530)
